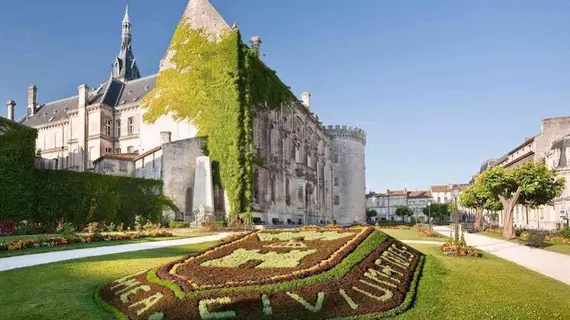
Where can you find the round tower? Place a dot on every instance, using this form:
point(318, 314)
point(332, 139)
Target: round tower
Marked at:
point(349, 179)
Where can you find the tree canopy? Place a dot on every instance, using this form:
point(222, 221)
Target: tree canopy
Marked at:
point(532, 184)
point(404, 211)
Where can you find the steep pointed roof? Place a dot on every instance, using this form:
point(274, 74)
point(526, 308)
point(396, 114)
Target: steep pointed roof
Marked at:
point(125, 66)
point(199, 14)
point(126, 19)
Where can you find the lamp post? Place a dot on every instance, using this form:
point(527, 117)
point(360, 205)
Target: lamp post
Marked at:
point(429, 213)
point(455, 194)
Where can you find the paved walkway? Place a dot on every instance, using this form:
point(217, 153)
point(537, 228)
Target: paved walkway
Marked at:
point(551, 264)
point(50, 257)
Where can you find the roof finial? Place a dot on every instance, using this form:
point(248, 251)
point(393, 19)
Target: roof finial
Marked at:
point(126, 18)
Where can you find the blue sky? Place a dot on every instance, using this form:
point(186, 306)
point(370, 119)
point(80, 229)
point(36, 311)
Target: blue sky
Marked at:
point(439, 85)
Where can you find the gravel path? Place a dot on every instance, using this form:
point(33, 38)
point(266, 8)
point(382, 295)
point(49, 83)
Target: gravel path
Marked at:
point(50, 257)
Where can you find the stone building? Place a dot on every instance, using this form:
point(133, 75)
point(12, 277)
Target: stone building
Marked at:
point(385, 204)
point(309, 174)
point(548, 147)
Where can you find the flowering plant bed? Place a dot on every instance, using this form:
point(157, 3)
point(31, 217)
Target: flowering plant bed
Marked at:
point(426, 232)
point(459, 249)
point(96, 237)
point(348, 273)
point(557, 239)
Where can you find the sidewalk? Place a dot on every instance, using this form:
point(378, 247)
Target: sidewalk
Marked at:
point(551, 264)
point(50, 257)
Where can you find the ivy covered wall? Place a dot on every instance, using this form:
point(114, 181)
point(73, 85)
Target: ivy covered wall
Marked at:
point(219, 85)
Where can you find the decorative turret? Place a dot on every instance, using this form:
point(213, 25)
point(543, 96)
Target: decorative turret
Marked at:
point(347, 149)
point(125, 67)
point(347, 132)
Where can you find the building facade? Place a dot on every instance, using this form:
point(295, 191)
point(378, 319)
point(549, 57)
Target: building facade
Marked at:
point(548, 147)
point(386, 204)
point(309, 174)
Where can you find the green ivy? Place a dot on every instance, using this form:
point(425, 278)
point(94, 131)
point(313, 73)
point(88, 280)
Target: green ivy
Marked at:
point(219, 86)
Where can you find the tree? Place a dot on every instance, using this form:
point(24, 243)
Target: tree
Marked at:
point(404, 211)
point(541, 187)
point(438, 211)
point(370, 213)
point(538, 183)
point(476, 197)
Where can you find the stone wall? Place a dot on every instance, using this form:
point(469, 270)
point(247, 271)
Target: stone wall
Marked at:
point(178, 168)
point(293, 181)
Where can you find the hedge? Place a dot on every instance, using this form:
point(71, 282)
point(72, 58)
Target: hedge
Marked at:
point(17, 169)
point(46, 196)
point(83, 197)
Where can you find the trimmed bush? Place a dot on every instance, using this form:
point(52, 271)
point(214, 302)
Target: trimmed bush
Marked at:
point(17, 170)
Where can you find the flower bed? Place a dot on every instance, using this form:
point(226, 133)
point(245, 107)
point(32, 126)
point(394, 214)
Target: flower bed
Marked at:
point(557, 239)
point(459, 250)
point(353, 273)
point(426, 232)
point(97, 237)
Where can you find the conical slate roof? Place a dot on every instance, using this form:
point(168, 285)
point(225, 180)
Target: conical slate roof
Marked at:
point(199, 14)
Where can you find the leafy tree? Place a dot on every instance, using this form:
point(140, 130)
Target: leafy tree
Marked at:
point(404, 211)
point(370, 213)
point(437, 211)
point(476, 197)
point(541, 186)
point(538, 183)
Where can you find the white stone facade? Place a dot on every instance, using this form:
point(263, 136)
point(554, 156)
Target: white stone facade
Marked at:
point(310, 174)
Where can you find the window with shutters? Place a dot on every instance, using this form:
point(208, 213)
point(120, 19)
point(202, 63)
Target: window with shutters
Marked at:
point(131, 125)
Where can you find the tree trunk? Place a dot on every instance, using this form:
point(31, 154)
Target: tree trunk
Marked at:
point(526, 209)
point(509, 205)
point(479, 219)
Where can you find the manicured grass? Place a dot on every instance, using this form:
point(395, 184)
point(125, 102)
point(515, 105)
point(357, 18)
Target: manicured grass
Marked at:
point(5, 254)
point(409, 235)
point(65, 290)
point(450, 287)
point(485, 288)
point(559, 248)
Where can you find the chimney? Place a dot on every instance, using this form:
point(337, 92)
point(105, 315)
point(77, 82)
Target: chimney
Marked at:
point(165, 137)
point(256, 43)
point(306, 97)
point(11, 104)
point(83, 95)
point(32, 99)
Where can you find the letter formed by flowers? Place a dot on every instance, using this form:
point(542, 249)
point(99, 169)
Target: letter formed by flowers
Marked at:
point(318, 306)
point(205, 314)
point(270, 260)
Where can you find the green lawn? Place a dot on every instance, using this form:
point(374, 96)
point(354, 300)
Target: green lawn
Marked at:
point(409, 235)
point(485, 288)
point(450, 287)
point(178, 234)
point(65, 290)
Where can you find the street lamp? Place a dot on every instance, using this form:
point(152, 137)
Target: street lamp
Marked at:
point(455, 194)
point(429, 213)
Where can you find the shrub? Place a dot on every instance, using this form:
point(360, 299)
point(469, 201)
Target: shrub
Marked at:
point(7, 227)
point(66, 229)
point(179, 224)
point(565, 232)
